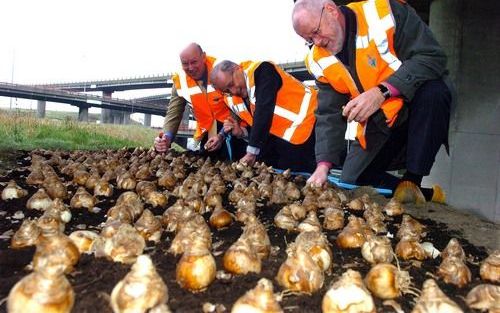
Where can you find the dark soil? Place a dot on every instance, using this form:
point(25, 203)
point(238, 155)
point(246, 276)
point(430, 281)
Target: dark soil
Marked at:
point(94, 278)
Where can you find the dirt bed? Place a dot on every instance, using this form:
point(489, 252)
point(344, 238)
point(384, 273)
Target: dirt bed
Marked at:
point(94, 278)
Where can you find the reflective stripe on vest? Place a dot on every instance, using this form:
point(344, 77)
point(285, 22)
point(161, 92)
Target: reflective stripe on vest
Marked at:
point(378, 28)
point(296, 114)
point(375, 59)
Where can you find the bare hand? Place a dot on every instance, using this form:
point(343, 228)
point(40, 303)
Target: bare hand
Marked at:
point(248, 159)
point(214, 143)
point(363, 106)
point(232, 126)
point(162, 143)
point(318, 178)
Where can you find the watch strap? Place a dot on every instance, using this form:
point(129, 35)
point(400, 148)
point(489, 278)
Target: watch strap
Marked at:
point(385, 91)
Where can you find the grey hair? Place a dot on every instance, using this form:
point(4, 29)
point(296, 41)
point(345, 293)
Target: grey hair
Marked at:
point(224, 66)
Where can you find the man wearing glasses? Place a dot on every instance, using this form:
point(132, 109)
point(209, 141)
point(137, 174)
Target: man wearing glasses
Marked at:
point(278, 108)
point(379, 67)
point(192, 86)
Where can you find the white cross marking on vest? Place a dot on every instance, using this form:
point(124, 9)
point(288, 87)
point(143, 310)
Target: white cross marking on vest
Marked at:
point(299, 118)
point(377, 28)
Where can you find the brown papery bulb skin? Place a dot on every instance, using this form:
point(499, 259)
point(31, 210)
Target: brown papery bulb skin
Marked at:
point(55, 254)
point(261, 299)
point(13, 191)
point(453, 249)
point(386, 282)
point(351, 238)
point(377, 250)
point(40, 200)
point(27, 235)
point(83, 240)
point(453, 271)
point(141, 289)
point(149, 226)
point(220, 218)
point(484, 297)
point(125, 245)
point(393, 208)
point(490, 268)
point(317, 246)
point(410, 249)
point(348, 295)
point(241, 258)
point(300, 273)
point(196, 270)
point(433, 300)
point(334, 219)
point(41, 294)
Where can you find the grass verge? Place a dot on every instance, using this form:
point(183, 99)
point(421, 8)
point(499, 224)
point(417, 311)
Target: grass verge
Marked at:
point(21, 131)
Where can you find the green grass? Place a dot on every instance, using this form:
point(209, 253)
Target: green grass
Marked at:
point(22, 131)
point(62, 115)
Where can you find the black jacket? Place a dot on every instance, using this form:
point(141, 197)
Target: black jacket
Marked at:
point(422, 59)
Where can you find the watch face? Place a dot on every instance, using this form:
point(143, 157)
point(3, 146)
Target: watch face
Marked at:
point(385, 91)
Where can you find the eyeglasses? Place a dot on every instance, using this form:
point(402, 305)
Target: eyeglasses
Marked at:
point(310, 42)
point(227, 90)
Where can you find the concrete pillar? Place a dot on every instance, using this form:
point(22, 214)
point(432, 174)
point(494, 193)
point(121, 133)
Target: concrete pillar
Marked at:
point(126, 118)
point(83, 114)
point(471, 175)
point(147, 120)
point(117, 117)
point(106, 114)
point(40, 108)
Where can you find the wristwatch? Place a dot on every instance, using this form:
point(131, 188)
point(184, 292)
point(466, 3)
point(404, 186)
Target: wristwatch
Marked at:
point(385, 91)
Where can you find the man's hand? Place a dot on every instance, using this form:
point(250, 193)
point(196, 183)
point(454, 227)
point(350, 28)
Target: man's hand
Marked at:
point(248, 159)
point(318, 178)
point(162, 143)
point(232, 126)
point(363, 106)
point(214, 143)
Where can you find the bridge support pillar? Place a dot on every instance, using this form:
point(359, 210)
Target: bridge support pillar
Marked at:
point(106, 114)
point(147, 120)
point(117, 117)
point(40, 108)
point(126, 118)
point(83, 114)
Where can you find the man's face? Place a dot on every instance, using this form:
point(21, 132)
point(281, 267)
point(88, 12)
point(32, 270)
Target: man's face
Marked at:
point(193, 63)
point(231, 83)
point(323, 29)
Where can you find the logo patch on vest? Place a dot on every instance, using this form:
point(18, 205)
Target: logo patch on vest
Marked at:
point(372, 61)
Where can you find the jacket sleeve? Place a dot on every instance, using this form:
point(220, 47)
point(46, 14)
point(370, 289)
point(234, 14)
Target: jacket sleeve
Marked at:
point(330, 125)
point(267, 84)
point(421, 56)
point(175, 110)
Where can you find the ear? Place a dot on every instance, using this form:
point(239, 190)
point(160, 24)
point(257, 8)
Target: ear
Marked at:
point(332, 8)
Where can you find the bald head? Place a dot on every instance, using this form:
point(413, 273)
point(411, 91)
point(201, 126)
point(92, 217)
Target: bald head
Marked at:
point(193, 61)
point(305, 11)
point(228, 77)
point(192, 48)
point(320, 22)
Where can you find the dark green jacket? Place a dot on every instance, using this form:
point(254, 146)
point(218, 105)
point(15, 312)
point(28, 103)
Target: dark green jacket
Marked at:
point(422, 59)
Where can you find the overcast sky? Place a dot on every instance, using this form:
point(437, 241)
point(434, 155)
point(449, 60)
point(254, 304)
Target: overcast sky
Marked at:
point(64, 40)
point(61, 40)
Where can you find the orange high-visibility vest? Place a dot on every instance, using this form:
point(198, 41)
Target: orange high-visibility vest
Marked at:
point(207, 105)
point(293, 118)
point(376, 59)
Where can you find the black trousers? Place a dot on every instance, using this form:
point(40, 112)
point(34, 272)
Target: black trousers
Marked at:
point(418, 139)
point(282, 154)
